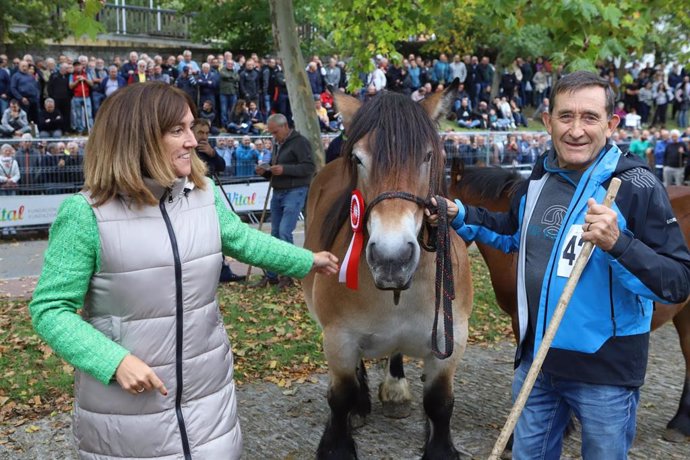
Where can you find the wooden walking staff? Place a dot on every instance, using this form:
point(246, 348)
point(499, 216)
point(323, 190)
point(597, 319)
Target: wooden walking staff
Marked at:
point(568, 290)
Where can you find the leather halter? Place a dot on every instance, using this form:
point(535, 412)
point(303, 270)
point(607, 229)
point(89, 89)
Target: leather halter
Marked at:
point(444, 283)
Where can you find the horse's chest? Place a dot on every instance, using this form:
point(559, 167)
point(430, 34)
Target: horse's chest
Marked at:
point(405, 329)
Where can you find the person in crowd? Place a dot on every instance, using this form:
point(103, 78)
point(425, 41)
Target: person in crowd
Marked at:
point(14, 121)
point(30, 160)
point(80, 84)
point(466, 118)
point(250, 82)
point(111, 84)
point(268, 85)
point(633, 120)
point(5, 93)
point(59, 90)
point(179, 385)
point(332, 76)
point(140, 75)
point(315, 79)
point(228, 88)
point(292, 168)
point(645, 99)
point(9, 179)
point(682, 98)
point(662, 97)
point(208, 114)
point(187, 83)
point(660, 143)
point(264, 146)
point(640, 146)
point(226, 149)
point(675, 157)
point(50, 120)
point(187, 61)
point(256, 118)
point(542, 108)
point(99, 74)
point(129, 68)
point(377, 78)
point(25, 89)
point(159, 75)
point(246, 158)
point(240, 122)
point(207, 81)
point(596, 363)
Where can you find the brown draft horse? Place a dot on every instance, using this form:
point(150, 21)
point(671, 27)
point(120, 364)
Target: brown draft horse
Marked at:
point(392, 146)
point(492, 188)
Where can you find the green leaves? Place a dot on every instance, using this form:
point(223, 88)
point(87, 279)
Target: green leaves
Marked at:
point(83, 22)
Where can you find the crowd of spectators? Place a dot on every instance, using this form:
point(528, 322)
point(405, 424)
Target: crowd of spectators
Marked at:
point(50, 98)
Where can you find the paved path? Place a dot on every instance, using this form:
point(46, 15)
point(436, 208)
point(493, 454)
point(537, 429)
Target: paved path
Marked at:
point(277, 425)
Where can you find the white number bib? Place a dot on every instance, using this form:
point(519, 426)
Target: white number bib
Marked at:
point(571, 249)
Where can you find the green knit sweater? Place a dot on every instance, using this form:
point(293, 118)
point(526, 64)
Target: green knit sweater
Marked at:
point(73, 256)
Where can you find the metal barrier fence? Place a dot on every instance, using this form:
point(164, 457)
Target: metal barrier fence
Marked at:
point(52, 169)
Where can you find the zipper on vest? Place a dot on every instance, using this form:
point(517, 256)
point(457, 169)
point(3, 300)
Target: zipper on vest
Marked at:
point(178, 330)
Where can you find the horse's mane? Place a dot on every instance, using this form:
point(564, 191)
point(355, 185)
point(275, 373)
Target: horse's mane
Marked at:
point(401, 133)
point(489, 183)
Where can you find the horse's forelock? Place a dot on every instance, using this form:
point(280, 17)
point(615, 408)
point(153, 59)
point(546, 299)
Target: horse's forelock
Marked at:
point(400, 134)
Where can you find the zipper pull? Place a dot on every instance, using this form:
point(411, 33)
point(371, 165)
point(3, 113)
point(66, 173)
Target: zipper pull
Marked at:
point(170, 197)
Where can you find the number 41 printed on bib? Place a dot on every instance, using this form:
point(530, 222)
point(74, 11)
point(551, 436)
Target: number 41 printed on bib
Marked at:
point(571, 249)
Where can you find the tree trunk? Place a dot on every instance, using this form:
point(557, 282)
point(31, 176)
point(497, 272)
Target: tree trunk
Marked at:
point(299, 90)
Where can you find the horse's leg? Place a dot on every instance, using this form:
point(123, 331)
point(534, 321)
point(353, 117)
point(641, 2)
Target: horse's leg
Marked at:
point(438, 405)
point(363, 405)
point(343, 396)
point(678, 429)
point(394, 391)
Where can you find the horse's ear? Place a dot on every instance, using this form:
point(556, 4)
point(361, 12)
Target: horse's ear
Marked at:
point(438, 104)
point(347, 106)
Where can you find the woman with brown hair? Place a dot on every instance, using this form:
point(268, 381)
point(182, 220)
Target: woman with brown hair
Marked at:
point(137, 250)
point(240, 120)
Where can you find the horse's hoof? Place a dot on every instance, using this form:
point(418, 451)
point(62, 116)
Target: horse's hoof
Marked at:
point(357, 421)
point(673, 435)
point(392, 409)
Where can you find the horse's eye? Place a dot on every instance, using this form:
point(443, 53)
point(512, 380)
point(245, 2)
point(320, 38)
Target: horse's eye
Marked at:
point(357, 160)
point(427, 158)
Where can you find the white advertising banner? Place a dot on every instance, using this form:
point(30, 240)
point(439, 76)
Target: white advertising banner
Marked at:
point(248, 196)
point(20, 210)
point(25, 210)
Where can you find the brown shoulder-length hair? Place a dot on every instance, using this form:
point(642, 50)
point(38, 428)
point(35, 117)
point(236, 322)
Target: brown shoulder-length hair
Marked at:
point(126, 143)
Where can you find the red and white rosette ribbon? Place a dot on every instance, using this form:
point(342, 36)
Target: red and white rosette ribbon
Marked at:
point(349, 270)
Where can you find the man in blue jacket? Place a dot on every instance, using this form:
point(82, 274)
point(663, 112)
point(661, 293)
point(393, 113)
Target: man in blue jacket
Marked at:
point(598, 359)
point(26, 91)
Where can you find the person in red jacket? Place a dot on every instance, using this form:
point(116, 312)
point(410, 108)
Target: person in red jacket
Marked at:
point(80, 84)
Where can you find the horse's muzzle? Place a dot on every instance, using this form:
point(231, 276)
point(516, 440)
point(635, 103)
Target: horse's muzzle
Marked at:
point(393, 269)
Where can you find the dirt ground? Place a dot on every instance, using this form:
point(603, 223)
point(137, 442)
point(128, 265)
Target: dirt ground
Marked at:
point(287, 425)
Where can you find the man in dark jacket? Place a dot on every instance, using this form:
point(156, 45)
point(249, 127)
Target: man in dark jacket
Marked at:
point(250, 82)
point(50, 120)
point(58, 89)
point(291, 171)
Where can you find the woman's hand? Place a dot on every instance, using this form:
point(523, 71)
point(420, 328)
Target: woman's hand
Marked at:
point(325, 263)
point(451, 213)
point(134, 376)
